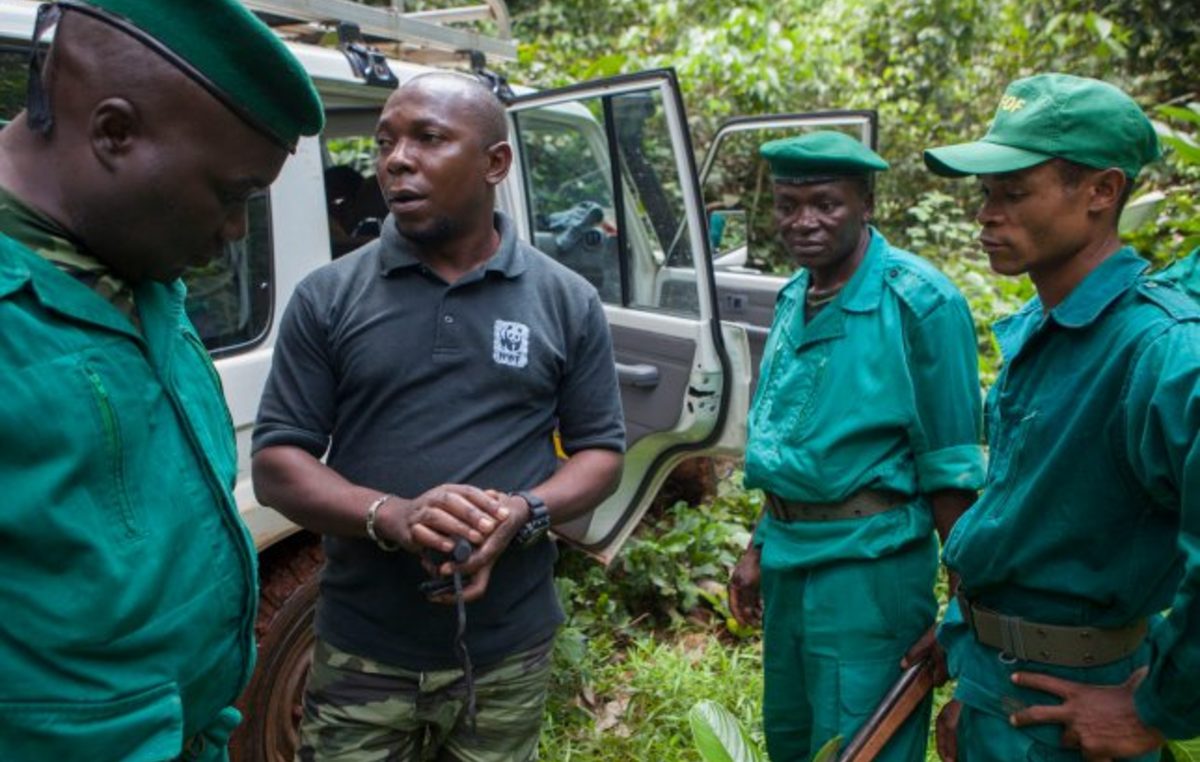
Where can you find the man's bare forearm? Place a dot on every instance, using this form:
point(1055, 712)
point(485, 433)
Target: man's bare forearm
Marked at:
point(948, 506)
point(581, 483)
point(310, 493)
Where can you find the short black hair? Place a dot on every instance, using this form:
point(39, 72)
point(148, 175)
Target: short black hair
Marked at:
point(1072, 173)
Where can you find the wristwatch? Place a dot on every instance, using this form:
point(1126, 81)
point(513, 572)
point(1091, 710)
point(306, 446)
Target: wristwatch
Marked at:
point(539, 521)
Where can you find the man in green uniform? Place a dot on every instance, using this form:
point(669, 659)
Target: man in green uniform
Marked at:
point(127, 580)
point(865, 434)
point(1089, 524)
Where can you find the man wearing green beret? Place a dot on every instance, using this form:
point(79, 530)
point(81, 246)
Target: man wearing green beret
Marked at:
point(865, 436)
point(127, 579)
point(1089, 523)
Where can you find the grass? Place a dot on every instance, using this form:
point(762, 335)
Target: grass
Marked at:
point(630, 701)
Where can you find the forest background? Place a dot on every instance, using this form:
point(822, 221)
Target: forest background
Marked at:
point(650, 636)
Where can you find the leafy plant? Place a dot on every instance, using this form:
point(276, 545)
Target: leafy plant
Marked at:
point(719, 736)
point(1184, 751)
point(675, 566)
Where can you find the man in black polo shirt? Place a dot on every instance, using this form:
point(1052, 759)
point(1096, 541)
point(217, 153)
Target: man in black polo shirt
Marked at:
point(431, 368)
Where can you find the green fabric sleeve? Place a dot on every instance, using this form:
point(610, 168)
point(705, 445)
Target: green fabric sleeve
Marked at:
point(957, 467)
point(944, 368)
point(1162, 420)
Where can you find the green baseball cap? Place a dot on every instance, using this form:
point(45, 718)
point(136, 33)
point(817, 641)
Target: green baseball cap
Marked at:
point(1051, 116)
point(227, 50)
point(818, 157)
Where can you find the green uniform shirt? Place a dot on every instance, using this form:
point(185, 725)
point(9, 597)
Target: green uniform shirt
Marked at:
point(880, 390)
point(1091, 512)
point(127, 578)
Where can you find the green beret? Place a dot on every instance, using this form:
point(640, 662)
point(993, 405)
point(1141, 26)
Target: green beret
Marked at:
point(227, 50)
point(817, 157)
point(1046, 116)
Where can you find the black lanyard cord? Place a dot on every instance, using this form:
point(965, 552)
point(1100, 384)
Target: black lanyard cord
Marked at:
point(460, 644)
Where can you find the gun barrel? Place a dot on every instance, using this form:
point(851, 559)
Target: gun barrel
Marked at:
point(902, 698)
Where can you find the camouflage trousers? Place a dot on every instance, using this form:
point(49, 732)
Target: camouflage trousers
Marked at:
point(359, 710)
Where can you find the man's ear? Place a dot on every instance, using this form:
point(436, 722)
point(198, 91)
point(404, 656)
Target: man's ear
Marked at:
point(499, 161)
point(114, 127)
point(1106, 188)
point(868, 206)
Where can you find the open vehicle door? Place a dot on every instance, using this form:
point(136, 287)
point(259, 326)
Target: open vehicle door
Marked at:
point(606, 174)
point(737, 195)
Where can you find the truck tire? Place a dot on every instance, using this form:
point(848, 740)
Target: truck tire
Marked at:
point(271, 704)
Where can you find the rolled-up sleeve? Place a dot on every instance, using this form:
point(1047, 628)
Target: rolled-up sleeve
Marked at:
point(946, 434)
point(1163, 426)
point(298, 403)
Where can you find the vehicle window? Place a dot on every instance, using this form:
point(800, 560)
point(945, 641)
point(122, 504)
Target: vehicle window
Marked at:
point(605, 197)
point(352, 198)
point(570, 196)
point(739, 180)
point(229, 300)
point(14, 76)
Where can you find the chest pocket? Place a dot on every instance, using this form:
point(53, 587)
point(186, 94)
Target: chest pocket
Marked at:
point(112, 452)
point(798, 390)
point(1005, 456)
point(791, 376)
point(71, 433)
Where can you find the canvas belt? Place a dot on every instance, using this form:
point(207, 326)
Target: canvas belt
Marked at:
point(866, 502)
point(1059, 645)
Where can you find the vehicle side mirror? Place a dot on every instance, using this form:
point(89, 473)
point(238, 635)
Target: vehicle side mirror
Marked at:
point(728, 234)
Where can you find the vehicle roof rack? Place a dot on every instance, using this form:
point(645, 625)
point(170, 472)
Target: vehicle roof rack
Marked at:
point(423, 36)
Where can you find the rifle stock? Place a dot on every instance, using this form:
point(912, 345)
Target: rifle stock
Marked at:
point(902, 698)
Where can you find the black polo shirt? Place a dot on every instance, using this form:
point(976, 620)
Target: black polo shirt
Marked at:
point(405, 383)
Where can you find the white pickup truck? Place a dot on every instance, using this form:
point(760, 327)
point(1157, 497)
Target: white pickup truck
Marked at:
point(604, 180)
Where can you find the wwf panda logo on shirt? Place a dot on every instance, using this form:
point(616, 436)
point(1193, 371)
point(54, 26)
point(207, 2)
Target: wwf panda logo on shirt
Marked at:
point(510, 343)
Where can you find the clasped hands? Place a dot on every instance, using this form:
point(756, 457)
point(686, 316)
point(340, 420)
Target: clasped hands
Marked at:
point(429, 524)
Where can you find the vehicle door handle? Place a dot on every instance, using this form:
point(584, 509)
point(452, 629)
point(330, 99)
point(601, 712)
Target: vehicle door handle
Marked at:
point(639, 376)
point(731, 302)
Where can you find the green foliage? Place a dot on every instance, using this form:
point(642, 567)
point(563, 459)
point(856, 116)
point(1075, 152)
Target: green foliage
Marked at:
point(1172, 227)
point(829, 752)
point(675, 561)
point(1184, 751)
point(634, 703)
point(648, 636)
point(933, 69)
point(719, 736)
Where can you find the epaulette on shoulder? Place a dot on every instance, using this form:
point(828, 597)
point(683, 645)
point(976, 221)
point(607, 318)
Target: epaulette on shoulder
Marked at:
point(916, 282)
point(1171, 299)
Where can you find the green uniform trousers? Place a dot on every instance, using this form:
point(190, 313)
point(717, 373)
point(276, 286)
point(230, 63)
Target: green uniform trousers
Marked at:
point(833, 638)
point(986, 737)
point(359, 710)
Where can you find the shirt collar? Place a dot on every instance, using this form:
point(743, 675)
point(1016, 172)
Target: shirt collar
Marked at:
point(1100, 288)
point(865, 289)
point(42, 234)
point(400, 253)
